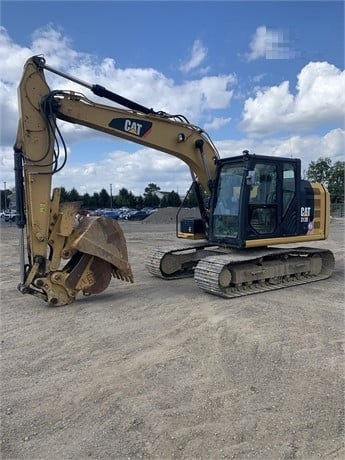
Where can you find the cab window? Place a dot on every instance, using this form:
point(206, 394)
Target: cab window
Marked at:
point(263, 199)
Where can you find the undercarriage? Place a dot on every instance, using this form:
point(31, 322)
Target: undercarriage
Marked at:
point(233, 273)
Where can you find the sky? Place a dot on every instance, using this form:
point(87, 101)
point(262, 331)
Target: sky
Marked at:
point(267, 77)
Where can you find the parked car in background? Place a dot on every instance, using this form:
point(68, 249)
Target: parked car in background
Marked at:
point(84, 212)
point(111, 213)
point(138, 215)
point(10, 215)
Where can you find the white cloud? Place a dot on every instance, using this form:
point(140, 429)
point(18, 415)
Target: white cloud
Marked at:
point(131, 171)
point(307, 148)
point(321, 93)
point(216, 123)
point(270, 44)
point(320, 99)
point(197, 56)
point(257, 45)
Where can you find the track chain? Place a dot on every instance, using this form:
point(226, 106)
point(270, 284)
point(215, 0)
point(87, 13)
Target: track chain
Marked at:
point(209, 271)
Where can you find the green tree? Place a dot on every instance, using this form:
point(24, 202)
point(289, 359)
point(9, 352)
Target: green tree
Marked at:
point(336, 182)
point(139, 202)
point(86, 200)
point(318, 171)
point(151, 200)
point(126, 198)
point(95, 201)
point(151, 189)
point(64, 196)
point(73, 195)
point(173, 199)
point(104, 198)
point(330, 175)
point(5, 201)
point(164, 202)
point(190, 200)
point(132, 201)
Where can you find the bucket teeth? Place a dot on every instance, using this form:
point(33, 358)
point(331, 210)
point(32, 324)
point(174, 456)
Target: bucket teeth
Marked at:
point(120, 275)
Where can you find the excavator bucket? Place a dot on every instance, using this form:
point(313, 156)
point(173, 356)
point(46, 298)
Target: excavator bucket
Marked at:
point(101, 252)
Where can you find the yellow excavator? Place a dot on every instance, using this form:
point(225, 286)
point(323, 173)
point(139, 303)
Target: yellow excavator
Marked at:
point(248, 204)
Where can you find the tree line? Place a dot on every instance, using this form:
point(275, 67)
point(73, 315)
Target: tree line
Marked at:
point(321, 170)
point(127, 199)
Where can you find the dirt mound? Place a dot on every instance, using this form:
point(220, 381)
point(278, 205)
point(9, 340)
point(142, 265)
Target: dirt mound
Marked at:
point(168, 215)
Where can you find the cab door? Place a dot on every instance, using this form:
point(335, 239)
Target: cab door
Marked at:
point(272, 200)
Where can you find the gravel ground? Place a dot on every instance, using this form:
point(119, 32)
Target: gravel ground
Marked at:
point(161, 370)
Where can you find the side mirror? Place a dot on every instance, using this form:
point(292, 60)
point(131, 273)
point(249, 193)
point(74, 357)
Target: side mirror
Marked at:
point(250, 178)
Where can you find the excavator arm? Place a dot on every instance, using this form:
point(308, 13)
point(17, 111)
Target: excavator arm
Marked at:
point(94, 249)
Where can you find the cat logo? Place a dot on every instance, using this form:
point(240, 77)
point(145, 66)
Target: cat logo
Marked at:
point(305, 211)
point(133, 127)
point(139, 128)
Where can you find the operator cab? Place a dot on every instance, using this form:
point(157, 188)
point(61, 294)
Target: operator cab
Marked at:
point(257, 199)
